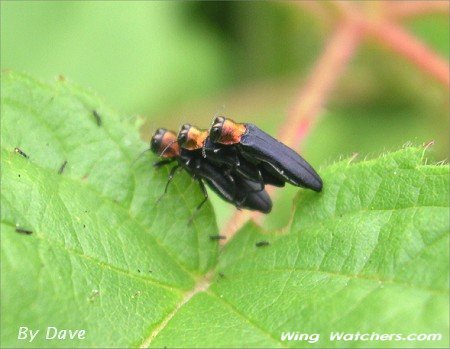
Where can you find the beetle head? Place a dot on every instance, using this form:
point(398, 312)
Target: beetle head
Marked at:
point(183, 134)
point(164, 143)
point(190, 137)
point(226, 131)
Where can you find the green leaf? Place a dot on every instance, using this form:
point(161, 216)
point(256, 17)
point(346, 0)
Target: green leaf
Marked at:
point(368, 254)
point(102, 257)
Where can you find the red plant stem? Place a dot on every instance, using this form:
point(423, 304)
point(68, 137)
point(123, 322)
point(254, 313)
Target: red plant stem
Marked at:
point(401, 42)
point(337, 54)
point(330, 66)
point(398, 40)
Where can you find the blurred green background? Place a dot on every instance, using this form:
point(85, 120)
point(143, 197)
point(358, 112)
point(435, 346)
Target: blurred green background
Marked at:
point(176, 62)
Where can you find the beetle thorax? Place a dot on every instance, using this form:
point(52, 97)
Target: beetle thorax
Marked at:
point(195, 139)
point(232, 132)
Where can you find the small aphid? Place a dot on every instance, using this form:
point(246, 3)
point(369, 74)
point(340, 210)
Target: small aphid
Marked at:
point(23, 231)
point(97, 117)
point(63, 166)
point(217, 237)
point(222, 275)
point(21, 152)
point(262, 243)
point(94, 294)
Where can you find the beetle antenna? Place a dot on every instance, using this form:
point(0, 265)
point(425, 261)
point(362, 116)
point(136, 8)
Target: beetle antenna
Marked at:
point(142, 153)
point(219, 110)
point(203, 149)
point(167, 147)
point(216, 114)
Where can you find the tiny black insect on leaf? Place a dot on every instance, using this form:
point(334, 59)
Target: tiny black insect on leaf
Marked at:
point(94, 294)
point(262, 243)
point(97, 117)
point(63, 166)
point(21, 152)
point(217, 237)
point(23, 231)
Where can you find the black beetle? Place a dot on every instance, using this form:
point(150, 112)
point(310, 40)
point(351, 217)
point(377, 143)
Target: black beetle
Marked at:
point(226, 157)
point(234, 189)
point(265, 151)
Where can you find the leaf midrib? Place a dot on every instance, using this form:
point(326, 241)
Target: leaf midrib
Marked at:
point(37, 115)
point(331, 219)
point(101, 263)
point(347, 276)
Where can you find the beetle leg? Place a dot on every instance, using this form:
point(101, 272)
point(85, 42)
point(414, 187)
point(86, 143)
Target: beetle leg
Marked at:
point(236, 160)
point(161, 163)
point(171, 175)
point(205, 193)
point(231, 178)
point(260, 181)
point(258, 190)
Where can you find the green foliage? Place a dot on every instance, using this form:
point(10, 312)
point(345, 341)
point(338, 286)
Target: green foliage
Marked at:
point(177, 62)
point(369, 254)
point(95, 227)
point(129, 51)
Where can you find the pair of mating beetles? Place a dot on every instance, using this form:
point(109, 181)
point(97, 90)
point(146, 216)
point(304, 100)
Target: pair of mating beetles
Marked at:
point(235, 160)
